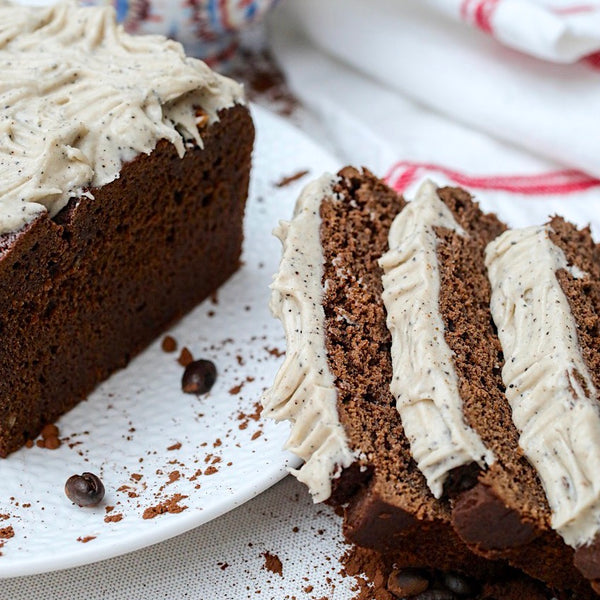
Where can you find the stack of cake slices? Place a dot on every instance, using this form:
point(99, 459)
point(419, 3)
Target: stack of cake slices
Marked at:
point(441, 380)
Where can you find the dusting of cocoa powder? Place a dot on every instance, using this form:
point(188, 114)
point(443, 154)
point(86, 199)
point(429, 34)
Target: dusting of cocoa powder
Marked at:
point(369, 573)
point(170, 505)
point(273, 563)
point(113, 518)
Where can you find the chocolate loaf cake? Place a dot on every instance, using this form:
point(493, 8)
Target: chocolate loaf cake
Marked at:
point(125, 171)
point(393, 381)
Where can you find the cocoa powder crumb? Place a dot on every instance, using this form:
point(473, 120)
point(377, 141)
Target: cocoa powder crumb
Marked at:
point(236, 389)
point(170, 505)
point(284, 181)
point(86, 539)
point(185, 357)
point(173, 476)
point(273, 563)
point(175, 446)
point(136, 476)
point(369, 572)
point(275, 351)
point(169, 344)
point(7, 532)
point(256, 435)
point(195, 475)
point(211, 470)
point(113, 518)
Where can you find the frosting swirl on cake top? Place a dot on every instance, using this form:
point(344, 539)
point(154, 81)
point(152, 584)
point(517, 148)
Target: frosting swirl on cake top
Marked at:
point(79, 97)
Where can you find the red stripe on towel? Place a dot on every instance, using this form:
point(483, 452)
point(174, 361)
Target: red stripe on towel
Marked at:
point(567, 181)
point(574, 10)
point(593, 60)
point(480, 12)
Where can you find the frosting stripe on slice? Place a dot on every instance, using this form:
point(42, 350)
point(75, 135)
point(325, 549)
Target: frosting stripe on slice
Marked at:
point(304, 390)
point(425, 383)
point(548, 385)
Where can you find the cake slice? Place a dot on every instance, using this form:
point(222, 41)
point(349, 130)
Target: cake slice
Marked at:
point(334, 385)
point(546, 304)
point(124, 171)
point(449, 390)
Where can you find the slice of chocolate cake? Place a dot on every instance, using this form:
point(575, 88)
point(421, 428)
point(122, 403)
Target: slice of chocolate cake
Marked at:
point(334, 385)
point(545, 303)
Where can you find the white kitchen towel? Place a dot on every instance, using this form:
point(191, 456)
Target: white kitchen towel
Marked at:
point(549, 109)
point(562, 31)
point(373, 125)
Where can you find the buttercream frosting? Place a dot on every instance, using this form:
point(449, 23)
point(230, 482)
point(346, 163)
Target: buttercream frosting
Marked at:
point(424, 383)
point(553, 399)
point(79, 97)
point(304, 391)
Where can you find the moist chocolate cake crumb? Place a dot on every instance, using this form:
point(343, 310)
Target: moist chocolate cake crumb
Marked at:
point(185, 357)
point(284, 181)
point(166, 264)
point(273, 563)
point(170, 505)
point(49, 438)
point(169, 344)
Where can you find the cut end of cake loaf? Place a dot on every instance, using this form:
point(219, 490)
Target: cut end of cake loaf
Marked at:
point(122, 205)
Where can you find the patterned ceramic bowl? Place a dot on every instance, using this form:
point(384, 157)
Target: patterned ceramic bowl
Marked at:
point(207, 28)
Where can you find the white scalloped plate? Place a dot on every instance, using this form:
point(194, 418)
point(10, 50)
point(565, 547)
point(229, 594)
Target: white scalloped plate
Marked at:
point(124, 430)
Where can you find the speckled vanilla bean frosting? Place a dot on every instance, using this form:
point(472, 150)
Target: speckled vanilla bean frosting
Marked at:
point(553, 399)
point(304, 390)
point(79, 97)
point(424, 381)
